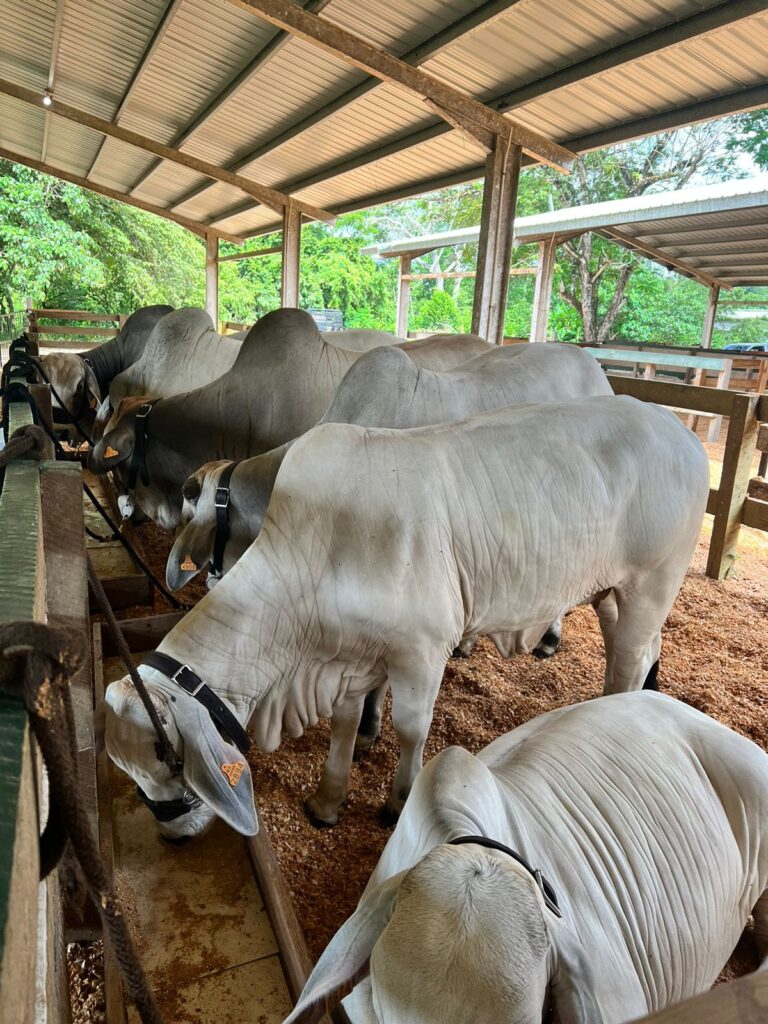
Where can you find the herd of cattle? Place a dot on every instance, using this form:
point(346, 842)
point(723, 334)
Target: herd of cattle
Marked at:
point(365, 506)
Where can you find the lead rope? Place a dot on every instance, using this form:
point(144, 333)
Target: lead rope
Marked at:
point(36, 662)
point(164, 748)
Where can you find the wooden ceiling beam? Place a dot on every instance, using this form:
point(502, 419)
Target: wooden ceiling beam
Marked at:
point(121, 197)
point(170, 12)
point(275, 200)
point(241, 79)
point(659, 256)
point(52, 67)
point(356, 51)
point(479, 17)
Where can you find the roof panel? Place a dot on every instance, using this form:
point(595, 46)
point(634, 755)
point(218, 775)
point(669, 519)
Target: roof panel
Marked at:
point(207, 43)
point(22, 22)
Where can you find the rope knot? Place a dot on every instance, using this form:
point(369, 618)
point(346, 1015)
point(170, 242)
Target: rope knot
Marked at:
point(40, 449)
point(39, 655)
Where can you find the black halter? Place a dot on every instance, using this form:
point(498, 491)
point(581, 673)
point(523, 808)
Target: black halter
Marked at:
point(138, 464)
point(221, 502)
point(192, 684)
point(550, 899)
point(169, 810)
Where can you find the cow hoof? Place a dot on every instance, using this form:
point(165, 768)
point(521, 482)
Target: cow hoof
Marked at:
point(464, 649)
point(391, 811)
point(388, 817)
point(652, 679)
point(364, 745)
point(547, 646)
point(317, 820)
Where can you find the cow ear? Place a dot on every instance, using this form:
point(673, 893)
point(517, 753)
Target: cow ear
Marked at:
point(190, 554)
point(346, 959)
point(218, 773)
point(103, 414)
point(573, 984)
point(92, 389)
point(116, 445)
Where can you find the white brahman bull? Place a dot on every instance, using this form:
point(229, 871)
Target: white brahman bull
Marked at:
point(82, 379)
point(383, 548)
point(384, 388)
point(280, 384)
point(649, 824)
point(183, 352)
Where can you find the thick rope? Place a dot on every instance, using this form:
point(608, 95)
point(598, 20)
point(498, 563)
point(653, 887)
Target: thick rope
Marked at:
point(21, 442)
point(165, 749)
point(35, 664)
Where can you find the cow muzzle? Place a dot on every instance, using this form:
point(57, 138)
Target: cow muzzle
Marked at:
point(169, 810)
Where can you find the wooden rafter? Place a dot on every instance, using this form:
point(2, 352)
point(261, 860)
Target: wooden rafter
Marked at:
point(677, 32)
point(659, 255)
point(418, 55)
point(251, 254)
point(52, 67)
point(356, 51)
point(170, 12)
point(241, 79)
point(121, 197)
point(261, 193)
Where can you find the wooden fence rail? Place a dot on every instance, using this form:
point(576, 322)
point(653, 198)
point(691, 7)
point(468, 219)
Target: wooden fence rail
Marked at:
point(728, 503)
point(38, 545)
point(107, 325)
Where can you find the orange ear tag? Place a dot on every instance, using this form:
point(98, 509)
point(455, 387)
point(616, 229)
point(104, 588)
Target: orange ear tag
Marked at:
point(188, 565)
point(93, 403)
point(233, 772)
point(111, 452)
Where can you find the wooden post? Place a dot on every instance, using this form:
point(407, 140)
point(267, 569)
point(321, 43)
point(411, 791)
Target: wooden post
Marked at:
point(499, 197)
point(542, 295)
point(289, 289)
point(403, 297)
point(709, 317)
point(212, 277)
point(734, 480)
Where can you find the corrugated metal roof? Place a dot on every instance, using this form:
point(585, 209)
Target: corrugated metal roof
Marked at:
point(715, 232)
point(534, 58)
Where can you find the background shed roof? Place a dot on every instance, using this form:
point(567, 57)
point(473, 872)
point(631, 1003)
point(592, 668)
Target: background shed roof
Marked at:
point(217, 82)
point(713, 233)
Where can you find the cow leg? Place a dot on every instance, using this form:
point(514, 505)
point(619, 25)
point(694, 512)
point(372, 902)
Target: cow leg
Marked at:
point(760, 914)
point(369, 729)
point(632, 631)
point(323, 807)
point(550, 642)
point(413, 701)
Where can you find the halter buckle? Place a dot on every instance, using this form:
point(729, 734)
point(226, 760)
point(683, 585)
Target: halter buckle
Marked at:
point(176, 678)
point(221, 499)
point(144, 411)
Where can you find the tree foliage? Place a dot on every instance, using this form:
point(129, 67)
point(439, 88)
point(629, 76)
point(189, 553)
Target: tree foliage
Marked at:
point(61, 246)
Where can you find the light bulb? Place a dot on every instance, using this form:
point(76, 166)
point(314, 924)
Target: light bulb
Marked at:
point(47, 99)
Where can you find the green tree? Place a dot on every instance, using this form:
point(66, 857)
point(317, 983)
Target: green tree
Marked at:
point(749, 134)
point(593, 274)
point(63, 246)
point(438, 313)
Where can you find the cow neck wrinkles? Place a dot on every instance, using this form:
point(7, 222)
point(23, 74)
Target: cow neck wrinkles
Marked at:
point(247, 639)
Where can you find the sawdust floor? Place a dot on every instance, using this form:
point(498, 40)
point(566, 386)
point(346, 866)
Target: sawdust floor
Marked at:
point(714, 657)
